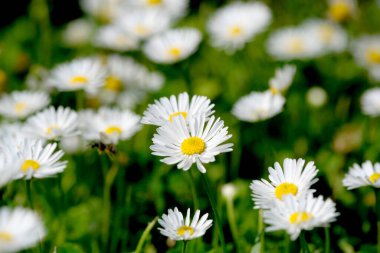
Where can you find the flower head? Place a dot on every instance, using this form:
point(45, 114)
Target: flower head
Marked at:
point(114, 38)
point(341, 10)
point(282, 79)
point(364, 175)
point(366, 50)
point(173, 8)
point(370, 102)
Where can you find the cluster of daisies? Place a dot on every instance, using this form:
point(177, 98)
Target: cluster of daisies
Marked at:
point(287, 199)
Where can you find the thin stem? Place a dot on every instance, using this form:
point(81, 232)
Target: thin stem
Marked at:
point(327, 240)
point(214, 209)
point(232, 222)
point(377, 192)
point(287, 243)
point(193, 190)
point(145, 235)
point(28, 187)
point(236, 155)
point(80, 99)
point(261, 228)
point(304, 246)
point(184, 246)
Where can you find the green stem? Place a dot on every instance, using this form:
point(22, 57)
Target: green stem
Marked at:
point(193, 190)
point(304, 246)
point(214, 209)
point(184, 246)
point(377, 192)
point(28, 186)
point(80, 99)
point(287, 243)
point(327, 240)
point(261, 228)
point(236, 155)
point(232, 222)
point(145, 235)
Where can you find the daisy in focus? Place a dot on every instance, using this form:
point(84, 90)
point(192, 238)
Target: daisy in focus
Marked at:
point(114, 38)
point(86, 74)
point(293, 179)
point(51, 123)
point(176, 227)
point(173, 45)
point(232, 26)
point(294, 215)
point(20, 104)
point(341, 10)
point(364, 175)
point(258, 106)
point(370, 102)
point(282, 79)
point(185, 142)
point(109, 125)
point(166, 109)
point(174, 8)
point(20, 229)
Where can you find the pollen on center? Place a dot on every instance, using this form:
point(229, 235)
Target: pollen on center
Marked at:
point(192, 146)
point(339, 11)
point(373, 56)
point(175, 52)
point(154, 2)
point(78, 80)
point(30, 164)
point(113, 130)
point(374, 177)
point(52, 128)
point(296, 45)
point(285, 189)
point(5, 236)
point(112, 83)
point(299, 217)
point(20, 107)
point(235, 31)
point(171, 116)
point(185, 229)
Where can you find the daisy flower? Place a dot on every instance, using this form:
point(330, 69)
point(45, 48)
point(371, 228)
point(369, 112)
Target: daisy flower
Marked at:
point(293, 179)
point(232, 26)
point(257, 106)
point(174, 8)
point(294, 215)
point(20, 104)
point(86, 74)
point(359, 176)
point(293, 43)
point(173, 45)
point(178, 228)
point(282, 79)
point(341, 10)
point(78, 32)
point(109, 125)
point(370, 102)
point(20, 229)
point(166, 109)
point(104, 10)
point(32, 158)
point(196, 141)
point(53, 123)
point(366, 50)
point(7, 170)
point(143, 23)
point(114, 38)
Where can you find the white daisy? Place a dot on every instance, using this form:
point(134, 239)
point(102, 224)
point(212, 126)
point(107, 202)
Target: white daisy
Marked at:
point(86, 74)
point(282, 79)
point(20, 104)
point(293, 43)
point(174, 8)
point(78, 32)
point(196, 141)
point(20, 229)
point(366, 50)
point(364, 175)
point(173, 45)
point(294, 215)
point(232, 26)
point(370, 102)
point(166, 109)
point(341, 10)
point(143, 23)
point(32, 158)
point(176, 227)
point(104, 10)
point(257, 106)
point(114, 38)
point(7, 170)
point(331, 36)
point(129, 99)
point(293, 179)
point(53, 123)
point(109, 125)
point(73, 144)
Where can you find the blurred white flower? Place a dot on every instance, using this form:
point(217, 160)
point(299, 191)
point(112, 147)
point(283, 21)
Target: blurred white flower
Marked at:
point(114, 38)
point(20, 229)
point(370, 102)
point(341, 10)
point(316, 96)
point(293, 179)
point(257, 106)
point(282, 79)
point(53, 123)
point(8, 171)
point(196, 141)
point(366, 50)
point(78, 32)
point(86, 74)
point(176, 227)
point(294, 215)
point(103, 10)
point(232, 26)
point(130, 98)
point(364, 175)
point(173, 45)
point(73, 144)
point(166, 109)
point(229, 191)
point(174, 8)
point(20, 104)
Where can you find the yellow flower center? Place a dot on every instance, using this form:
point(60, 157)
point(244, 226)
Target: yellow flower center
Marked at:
point(374, 177)
point(326, 33)
point(141, 30)
point(113, 84)
point(154, 2)
point(274, 90)
point(192, 146)
point(184, 229)
point(296, 45)
point(285, 189)
point(30, 164)
point(235, 31)
point(20, 107)
point(113, 130)
point(51, 128)
point(373, 56)
point(78, 80)
point(299, 217)
point(339, 11)
point(175, 52)
point(171, 116)
point(5, 236)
